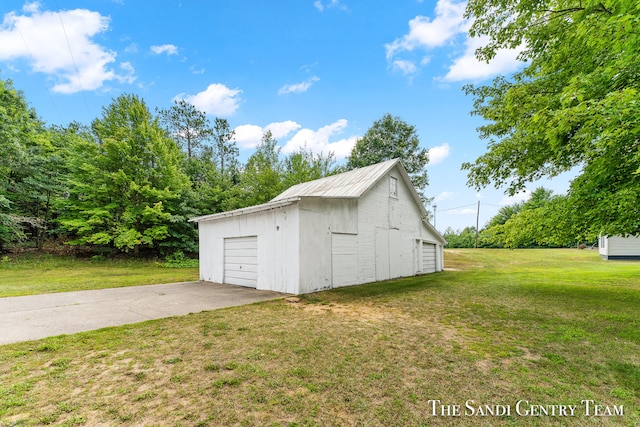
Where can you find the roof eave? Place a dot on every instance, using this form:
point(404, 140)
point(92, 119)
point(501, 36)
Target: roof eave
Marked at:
point(245, 211)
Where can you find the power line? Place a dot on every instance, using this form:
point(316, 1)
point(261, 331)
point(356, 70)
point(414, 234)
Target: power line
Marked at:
point(73, 60)
point(457, 207)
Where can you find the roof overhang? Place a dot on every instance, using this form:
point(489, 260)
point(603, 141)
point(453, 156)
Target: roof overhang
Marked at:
point(246, 211)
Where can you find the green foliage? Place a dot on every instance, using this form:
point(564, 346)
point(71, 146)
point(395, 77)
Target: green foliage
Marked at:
point(263, 175)
point(460, 239)
point(179, 260)
point(390, 138)
point(542, 221)
point(19, 133)
point(188, 126)
point(127, 188)
point(123, 183)
point(575, 104)
point(303, 165)
point(226, 150)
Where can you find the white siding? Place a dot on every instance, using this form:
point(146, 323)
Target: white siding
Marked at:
point(277, 255)
point(603, 246)
point(319, 219)
point(388, 231)
point(241, 261)
point(381, 255)
point(344, 259)
point(618, 246)
point(315, 243)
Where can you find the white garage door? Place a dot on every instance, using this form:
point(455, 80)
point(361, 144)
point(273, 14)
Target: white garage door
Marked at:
point(241, 261)
point(344, 259)
point(428, 257)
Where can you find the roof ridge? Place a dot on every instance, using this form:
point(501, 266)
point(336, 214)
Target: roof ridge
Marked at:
point(328, 186)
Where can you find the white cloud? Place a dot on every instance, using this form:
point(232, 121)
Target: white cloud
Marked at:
point(439, 153)
point(317, 141)
point(282, 129)
point(196, 69)
point(468, 67)
point(320, 140)
point(443, 196)
point(428, 33)
point(169, 49)
point(249, 136)
point(445, 28)
point(216, 100)
point(131, 48)
point(298, 87)
point(522, 196)
point(31, 7)
point(405, 66)
point(60, 44)
point(330, 4)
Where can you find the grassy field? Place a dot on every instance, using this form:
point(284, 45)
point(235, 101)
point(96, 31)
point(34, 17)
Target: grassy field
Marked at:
point(549, 327)
point(41, 274)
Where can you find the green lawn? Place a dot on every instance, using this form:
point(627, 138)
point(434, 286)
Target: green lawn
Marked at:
point(549, 327)
point(41, 274)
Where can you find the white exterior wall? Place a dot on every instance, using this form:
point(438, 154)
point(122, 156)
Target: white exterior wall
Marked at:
point(395, 224)
point(299, 244)
point(319, 219)
point(618, 246)
point(278, 246)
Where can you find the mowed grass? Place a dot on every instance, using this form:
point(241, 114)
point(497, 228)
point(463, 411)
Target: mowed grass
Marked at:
point(550, 327)
point(42, 274)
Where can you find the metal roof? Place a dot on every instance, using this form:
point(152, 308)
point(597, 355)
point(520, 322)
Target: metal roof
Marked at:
point(245, 211)
point(351, 184)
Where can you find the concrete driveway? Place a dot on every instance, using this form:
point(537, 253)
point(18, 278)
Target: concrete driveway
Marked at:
point(39, 316)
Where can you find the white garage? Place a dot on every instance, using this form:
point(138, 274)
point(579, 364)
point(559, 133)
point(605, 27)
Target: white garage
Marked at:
point(241, 261)
point(360, 226)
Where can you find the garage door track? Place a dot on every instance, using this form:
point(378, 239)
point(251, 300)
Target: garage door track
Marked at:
point(39, 316)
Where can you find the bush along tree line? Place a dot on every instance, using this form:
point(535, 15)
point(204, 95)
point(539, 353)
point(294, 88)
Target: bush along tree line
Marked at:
point(544, 221)
point(130, 180)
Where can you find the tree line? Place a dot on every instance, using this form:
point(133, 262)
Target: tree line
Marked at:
point(544, 221)
point(130, 180)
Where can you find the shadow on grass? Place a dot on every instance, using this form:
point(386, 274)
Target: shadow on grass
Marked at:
point(394, 287)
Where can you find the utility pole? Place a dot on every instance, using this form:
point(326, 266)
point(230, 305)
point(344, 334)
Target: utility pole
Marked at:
point(434, 215)
point(477, 220)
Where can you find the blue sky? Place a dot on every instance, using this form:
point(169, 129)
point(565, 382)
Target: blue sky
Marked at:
point(314, 72)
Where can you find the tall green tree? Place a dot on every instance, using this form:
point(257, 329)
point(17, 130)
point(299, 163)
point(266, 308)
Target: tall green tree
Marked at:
point(303, 165)
point(226, 150)
point(31, 171)
point(127, 188)
point(262, 177)
point(17, 125)
point(187, 125)
point(575, 104)
point(388, 138)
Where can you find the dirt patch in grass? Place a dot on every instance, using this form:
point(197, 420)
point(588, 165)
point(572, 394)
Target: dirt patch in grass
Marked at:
point(355, 311)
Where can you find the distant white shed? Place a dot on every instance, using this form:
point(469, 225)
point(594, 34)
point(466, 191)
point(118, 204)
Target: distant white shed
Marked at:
point(618, 247)
point(360, 226)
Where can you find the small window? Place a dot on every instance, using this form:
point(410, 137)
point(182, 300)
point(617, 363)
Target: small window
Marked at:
point(393, 187)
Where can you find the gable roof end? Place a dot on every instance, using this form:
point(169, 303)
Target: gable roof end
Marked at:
point(350, 184)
